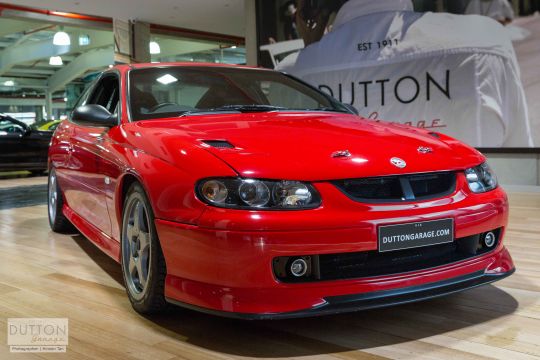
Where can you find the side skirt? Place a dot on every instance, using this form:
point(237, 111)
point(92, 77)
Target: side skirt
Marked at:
point(109, 246)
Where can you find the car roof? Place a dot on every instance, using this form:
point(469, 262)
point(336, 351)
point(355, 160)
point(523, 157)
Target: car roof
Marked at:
point(185, 64)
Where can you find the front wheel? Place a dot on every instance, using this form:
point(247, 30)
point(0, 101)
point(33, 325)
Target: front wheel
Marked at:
point(143, 265)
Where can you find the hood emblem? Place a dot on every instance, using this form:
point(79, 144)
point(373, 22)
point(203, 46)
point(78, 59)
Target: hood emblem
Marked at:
point(400, 163)
point(341, 154)
point(425, 150)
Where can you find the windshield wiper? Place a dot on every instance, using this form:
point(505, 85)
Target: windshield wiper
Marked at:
point(326, 109)
point(235, 109)
point(251, 108)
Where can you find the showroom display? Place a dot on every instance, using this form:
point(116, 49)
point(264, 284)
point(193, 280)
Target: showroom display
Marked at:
point(450, 73)
point(247, 193)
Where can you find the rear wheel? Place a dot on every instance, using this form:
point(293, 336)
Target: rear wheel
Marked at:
point(143, 265)
point(57, 220)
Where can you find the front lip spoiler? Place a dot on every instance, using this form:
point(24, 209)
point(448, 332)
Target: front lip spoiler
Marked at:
point(365, 301)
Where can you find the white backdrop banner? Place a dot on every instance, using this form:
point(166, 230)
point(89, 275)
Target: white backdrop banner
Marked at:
point(450, 73)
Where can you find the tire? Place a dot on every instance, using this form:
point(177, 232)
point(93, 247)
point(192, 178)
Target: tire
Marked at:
point(143, 264)
point(55, 202)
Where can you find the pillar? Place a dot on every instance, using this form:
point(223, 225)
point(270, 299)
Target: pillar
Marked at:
point(250, 16)
point(131, 41)
point(48, 104)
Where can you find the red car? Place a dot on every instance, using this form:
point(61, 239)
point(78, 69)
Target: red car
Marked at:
point(247, 193)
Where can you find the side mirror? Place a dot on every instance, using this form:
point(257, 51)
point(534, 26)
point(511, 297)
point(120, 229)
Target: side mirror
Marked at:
point(351, 108)
point(93, 115)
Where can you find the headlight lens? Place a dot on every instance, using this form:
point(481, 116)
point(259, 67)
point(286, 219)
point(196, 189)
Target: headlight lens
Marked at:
point(254, 193)
point(214, 191)
point(258, 194)
point(481, 178)
point(291, 194)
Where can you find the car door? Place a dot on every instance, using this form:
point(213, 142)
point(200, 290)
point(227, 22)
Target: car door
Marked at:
point(20, 147)
point(87, 182)
point(37, 144)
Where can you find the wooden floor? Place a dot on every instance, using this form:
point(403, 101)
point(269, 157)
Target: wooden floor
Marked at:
point(49, 275)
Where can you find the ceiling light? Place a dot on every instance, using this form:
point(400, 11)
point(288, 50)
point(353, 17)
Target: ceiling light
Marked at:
point(154, 48)
point(65, 99)
point(233, 47)
point(9, 83)
point(167, 79)
point(61, 38)
point(84, 40)
point(56, 61)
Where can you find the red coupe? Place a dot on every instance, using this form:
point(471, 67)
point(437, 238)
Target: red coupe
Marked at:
point(247, 193)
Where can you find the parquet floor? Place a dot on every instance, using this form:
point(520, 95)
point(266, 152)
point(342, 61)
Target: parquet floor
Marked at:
point(43, 274)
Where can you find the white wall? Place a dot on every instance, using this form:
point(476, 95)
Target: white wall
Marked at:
point(516, 169)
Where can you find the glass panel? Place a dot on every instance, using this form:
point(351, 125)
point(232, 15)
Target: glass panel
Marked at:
point(172, 91)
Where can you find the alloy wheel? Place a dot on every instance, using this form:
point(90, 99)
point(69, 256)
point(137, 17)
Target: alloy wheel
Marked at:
point(137, 248)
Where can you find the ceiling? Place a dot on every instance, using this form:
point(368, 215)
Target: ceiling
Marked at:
point(217, 16)
point(27, 44)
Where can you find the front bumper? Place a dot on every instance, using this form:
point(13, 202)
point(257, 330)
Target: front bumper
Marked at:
point(358, 302)
point(223, 265)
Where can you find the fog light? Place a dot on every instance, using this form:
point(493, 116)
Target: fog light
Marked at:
point(298, 267)
point(489, 239)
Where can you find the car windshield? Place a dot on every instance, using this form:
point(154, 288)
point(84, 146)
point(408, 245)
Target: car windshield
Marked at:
point(179, 90)
point(9, 126)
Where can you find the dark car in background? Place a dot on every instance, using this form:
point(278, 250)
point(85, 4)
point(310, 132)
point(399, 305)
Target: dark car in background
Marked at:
point(21, 147)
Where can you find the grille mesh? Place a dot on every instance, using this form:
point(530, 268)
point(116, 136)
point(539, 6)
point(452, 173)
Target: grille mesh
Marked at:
point(399, 188)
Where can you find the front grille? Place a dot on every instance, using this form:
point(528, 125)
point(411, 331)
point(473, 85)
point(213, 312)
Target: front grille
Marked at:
point(374, 263)
point(399, 188)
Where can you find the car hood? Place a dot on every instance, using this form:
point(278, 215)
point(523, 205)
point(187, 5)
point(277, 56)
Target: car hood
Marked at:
point(306, 146)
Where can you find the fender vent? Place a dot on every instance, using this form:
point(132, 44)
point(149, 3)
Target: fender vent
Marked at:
point(219, 144)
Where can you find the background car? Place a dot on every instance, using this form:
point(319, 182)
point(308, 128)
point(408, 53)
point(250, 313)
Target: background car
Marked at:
point(49, 125)
point(21, 147)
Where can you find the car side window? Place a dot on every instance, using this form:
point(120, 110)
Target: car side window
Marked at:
point(106, 93)
point(85, 94)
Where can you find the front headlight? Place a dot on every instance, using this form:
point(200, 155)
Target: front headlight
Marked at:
point(481, 178)
point(258, 194)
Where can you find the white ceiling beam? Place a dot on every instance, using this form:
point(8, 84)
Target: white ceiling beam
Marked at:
point(29, 71)
point(29, 52)
point(91, 60)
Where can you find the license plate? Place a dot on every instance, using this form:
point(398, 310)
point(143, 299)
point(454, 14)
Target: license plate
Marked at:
point(412, 235)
